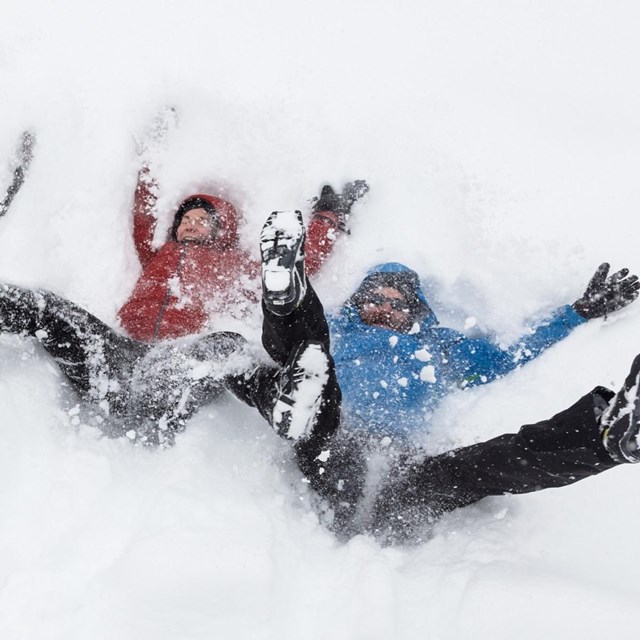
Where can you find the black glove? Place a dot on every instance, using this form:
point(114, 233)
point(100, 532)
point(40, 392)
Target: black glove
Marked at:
point(607, 293)
point(353, 191)
point(340, 203)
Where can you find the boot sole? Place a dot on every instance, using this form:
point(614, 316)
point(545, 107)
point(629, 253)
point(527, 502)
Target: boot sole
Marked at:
point(281, 241)
point(622, 433)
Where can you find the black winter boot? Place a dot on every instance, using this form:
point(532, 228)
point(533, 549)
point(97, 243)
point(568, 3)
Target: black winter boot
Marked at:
point(621, 420)
point(282, 252)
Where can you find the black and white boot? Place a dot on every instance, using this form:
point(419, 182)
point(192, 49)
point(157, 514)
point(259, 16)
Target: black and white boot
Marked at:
point(282, 253)
point(301, 389)
point(620, 422)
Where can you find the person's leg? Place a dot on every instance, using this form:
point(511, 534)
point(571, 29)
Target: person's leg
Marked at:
point(154, 388)
point(551, 453)
point(178, 377)
point(296, 335)
point(281, 334)
point(301, 400)
point(293, 314)
point(274, 391)
point(96, 360)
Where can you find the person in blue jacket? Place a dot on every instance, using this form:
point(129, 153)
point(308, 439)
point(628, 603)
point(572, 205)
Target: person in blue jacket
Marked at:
point(395, 362)
point(391, 365)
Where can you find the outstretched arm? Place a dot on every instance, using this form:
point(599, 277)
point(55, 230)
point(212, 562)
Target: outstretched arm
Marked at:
point(478, 361)
point(482, 361)
point(330, 218)
point(144, 222)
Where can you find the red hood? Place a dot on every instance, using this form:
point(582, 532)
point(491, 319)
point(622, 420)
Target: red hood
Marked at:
point(227, 236)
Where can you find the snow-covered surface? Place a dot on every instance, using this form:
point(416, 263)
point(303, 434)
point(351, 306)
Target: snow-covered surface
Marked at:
point(502, 145)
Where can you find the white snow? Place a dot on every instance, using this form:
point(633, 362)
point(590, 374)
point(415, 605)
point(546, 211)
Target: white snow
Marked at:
point(306, 396)
point(277, 279)
point(502, 146)
point(469, 323)
point(422, 355)
point(428, 373)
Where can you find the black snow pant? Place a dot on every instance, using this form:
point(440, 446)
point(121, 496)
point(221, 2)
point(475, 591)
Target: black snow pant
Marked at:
point(144, 391)
point(281, 335)
point(552, 453)
point(415, 491)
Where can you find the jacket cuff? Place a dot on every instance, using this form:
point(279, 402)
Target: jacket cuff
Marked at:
point(570, 316)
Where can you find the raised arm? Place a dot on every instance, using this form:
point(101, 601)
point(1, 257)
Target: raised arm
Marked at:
point(144, 222)
point(329, 219)
point(150, 144)
point(322, 232)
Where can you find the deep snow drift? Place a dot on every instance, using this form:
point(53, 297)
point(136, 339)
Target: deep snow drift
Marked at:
point(501, 142)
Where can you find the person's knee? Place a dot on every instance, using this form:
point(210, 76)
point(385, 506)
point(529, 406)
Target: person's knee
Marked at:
point(231, 340)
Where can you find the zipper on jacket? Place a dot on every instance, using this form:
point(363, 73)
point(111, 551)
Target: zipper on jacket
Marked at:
point(165, 302)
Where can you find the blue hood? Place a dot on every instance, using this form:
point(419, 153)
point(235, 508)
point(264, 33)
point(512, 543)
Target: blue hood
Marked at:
point(401, 277)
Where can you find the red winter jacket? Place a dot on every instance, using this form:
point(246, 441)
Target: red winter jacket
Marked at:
point(182, 284)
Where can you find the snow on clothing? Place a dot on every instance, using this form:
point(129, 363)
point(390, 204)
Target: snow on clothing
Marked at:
point(183, 283)
point(145, 392)
point(552, 453)
point(395, 493)
point(392, 381)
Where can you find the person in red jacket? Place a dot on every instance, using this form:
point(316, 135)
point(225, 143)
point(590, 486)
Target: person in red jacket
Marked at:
point(201, 269)
point(147, 384)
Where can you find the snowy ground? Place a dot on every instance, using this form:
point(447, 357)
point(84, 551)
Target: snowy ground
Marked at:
point(502, 144)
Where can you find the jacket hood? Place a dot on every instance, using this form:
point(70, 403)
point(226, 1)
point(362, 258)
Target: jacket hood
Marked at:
point(402, 278)
point(223, 211)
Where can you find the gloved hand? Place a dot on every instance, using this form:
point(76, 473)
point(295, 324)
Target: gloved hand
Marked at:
point(606, 293)
point(152, 141)
point(353, 191)
point(339, 203)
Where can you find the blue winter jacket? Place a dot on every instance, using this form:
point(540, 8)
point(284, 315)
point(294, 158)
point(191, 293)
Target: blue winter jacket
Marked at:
point(392, 381)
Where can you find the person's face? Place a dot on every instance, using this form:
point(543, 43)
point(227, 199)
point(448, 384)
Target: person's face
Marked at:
point(196, 225)
point(386, 307)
